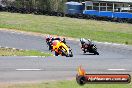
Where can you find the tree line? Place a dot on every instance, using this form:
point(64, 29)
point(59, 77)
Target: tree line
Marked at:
point(49, 5)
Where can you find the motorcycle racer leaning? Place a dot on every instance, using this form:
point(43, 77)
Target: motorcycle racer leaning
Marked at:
point(50, 39)
point(56, 45)
point(85, 41)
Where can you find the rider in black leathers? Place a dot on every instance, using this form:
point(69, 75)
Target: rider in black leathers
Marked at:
point(85, 41)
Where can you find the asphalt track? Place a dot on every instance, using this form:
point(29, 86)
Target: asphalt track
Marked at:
point(112, 59)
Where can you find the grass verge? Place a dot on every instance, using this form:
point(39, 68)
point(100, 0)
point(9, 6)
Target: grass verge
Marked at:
point(17, 52)
point(68, 84)
point(70, 27)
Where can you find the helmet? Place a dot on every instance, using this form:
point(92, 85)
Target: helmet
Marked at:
point(82, 40)
point(48, 37)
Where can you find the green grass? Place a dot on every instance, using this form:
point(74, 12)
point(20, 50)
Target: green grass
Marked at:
point(17, 52)
point(68, 84)
point(70, 27)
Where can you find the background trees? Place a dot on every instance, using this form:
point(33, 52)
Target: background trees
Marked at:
point(49, 5)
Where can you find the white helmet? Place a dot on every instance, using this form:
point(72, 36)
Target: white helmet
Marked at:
point(82, 40)
point(89, 40)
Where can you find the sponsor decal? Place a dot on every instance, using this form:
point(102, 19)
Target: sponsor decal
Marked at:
point(82, 77)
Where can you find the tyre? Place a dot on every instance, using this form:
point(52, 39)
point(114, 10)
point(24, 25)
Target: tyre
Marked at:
point(71, 54)
point(59, 14)
point(50, 47)
point(80, 80)
point(63, 53)
point(120, 20)
point(94, 49)
point(96, 53)
point(84, 51)
point(56, 54)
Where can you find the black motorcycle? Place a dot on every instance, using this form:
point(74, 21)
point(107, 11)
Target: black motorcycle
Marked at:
point(89, 47)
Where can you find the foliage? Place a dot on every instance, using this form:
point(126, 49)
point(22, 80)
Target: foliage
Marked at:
point(49, 5)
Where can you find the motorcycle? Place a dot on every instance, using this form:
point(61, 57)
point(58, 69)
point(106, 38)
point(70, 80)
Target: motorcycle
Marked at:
point(51, 39)
point(61, 48)
point(91, 48)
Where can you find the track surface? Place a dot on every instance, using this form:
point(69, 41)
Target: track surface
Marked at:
point(112, 59)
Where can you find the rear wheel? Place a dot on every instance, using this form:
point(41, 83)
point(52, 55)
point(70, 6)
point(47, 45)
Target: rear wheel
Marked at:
point(56, 54)
point(84, 51)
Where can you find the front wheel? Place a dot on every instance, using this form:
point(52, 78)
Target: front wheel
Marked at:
point(95, 52)
point(64, 53)
point(71, 54)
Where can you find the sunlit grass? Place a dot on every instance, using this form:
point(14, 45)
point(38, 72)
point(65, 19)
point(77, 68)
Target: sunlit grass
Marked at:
point(18, 52)
point(68, 84)
point(71, 27)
